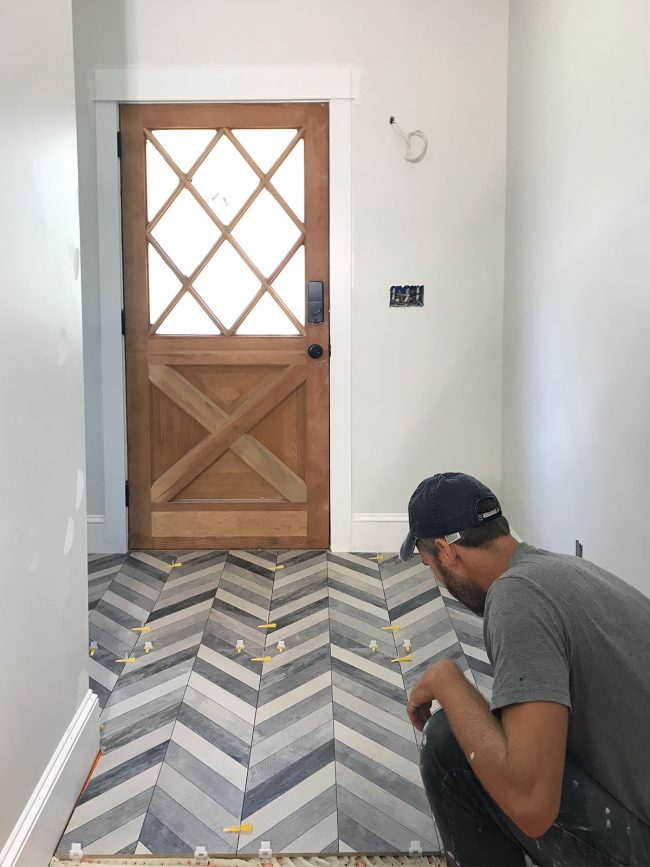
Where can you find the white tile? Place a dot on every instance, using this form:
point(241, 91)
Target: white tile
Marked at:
point(422, 612)
point(284, 805)
point(297, 604)
point(117, 839)
point(390, 675)
point(221, 696)
point(221, 763)
point(378, 753)
point(401, 727)
point(220, 715)
point(144, 697)
point(183, 614)
point(89, 810)
point(476, 652)
point(129, 751)
point(405, 575)
point(243, 604)
point(298, 626)
point(229, 666)
point(422, 654)
point(133, 584)
point(293, 653)
point(316, 838)
point(289, 699)
point(119, 602)
point(284, 579)
point(371, 582)
point(100, 674)
point(353, 602)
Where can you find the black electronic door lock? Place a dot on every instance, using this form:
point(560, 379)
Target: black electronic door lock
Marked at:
point(315, 301)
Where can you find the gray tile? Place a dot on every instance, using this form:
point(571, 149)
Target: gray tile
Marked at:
point(204, 778)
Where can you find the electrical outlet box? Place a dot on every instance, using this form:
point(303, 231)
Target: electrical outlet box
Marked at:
point(407, 296)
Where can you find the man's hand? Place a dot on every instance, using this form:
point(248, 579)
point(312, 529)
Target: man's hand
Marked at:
point(426, 690)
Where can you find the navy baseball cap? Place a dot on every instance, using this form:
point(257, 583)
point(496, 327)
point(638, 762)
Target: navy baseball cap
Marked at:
point(445, 504)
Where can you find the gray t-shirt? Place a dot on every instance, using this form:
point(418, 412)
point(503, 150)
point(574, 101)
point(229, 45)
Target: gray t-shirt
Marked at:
point(561, 629)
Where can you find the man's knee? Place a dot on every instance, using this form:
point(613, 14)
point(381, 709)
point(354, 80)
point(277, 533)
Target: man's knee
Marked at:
point(439, 746)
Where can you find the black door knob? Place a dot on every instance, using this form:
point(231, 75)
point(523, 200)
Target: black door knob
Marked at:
point(315, 350)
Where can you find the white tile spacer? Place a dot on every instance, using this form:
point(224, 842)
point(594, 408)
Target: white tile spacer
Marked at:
point(148, 646)
point(265, 850)
point(373, 646)
point(201, 855)
point(240, 645)
point(281, 647)
point(415, 848)
point(76, 852)
point(407, 645)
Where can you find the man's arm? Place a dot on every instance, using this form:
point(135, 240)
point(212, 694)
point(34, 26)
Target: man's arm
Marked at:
point(518, 760)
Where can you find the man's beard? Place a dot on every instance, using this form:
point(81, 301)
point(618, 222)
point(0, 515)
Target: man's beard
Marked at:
point(470, 595)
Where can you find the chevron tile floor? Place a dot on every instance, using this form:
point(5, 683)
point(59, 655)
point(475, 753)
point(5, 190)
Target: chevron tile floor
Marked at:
point(299, 737)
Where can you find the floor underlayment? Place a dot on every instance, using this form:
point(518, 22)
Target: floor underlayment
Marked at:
point(311, 748)
point(318, 861)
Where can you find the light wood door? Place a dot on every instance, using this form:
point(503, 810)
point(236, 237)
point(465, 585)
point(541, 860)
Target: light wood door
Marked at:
point(225, 220)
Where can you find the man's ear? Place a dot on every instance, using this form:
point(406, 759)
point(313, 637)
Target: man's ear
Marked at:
point(443, 547)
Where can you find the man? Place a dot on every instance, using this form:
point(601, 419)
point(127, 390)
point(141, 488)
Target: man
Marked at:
point(558, 766)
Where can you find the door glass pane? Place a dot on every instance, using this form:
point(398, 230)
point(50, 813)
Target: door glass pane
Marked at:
point(161, 181)
point(289, 180)
point(186, 233)
point(266, 233)
point(227, 284)
point(267, 318)
point(164, 285)
point(265, 145)
point(225, 180)
point(188, 317)
point(290, 284)
point(184, 146)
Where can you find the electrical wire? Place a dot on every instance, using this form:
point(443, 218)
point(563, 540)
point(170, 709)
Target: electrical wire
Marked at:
point(409, 138)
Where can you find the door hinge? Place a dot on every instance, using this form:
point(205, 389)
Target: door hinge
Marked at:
point(123, 316)
point(126, 494)
point(119, 144)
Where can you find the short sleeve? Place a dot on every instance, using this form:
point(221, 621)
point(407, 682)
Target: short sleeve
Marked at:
point(527, 645)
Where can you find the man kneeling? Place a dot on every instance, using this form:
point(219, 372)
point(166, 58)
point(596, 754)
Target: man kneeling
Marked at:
point(558, 765)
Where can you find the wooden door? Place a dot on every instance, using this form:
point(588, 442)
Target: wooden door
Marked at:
point(225, 220)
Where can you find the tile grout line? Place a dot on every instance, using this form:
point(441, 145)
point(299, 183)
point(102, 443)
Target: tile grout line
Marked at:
point(329, 632)
point(259, 690)
point(401, 665)
point(171, 734)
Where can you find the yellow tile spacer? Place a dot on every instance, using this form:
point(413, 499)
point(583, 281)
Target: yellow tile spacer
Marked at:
point(402, 659)
point(267, 626)
point(395, 628)
point(275, 568)
point(239, 829)
point(175, 565)
point(126, 659)
point(261, 659)
point(142, 629)
point(378, 558)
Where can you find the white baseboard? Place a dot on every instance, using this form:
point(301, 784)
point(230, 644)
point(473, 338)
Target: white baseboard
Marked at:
point(383, 533)
point(34, 838)
point(96, 528)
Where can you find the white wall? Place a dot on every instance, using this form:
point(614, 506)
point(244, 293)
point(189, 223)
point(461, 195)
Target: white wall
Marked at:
point(43, 620)
point(426, 383)
point(577, 303)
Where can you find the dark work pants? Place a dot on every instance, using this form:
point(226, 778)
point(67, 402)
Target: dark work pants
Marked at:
point(592, 828)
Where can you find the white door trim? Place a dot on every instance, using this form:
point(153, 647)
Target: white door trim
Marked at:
point(336, 84)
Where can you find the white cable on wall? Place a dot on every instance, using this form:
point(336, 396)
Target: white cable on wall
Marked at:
point(409, 139)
